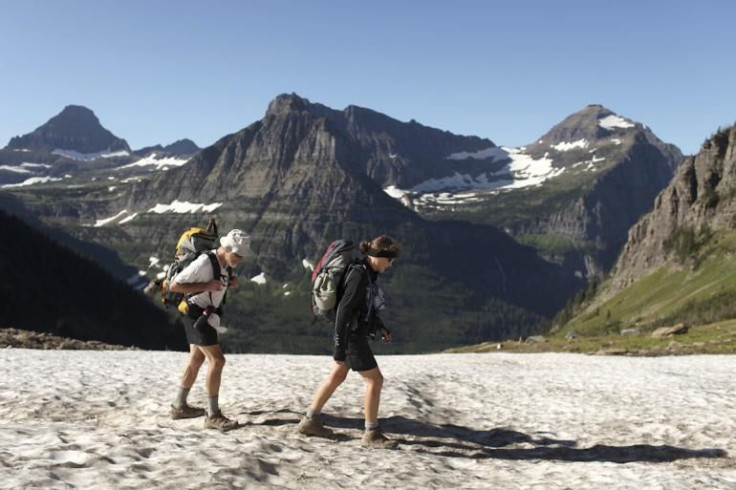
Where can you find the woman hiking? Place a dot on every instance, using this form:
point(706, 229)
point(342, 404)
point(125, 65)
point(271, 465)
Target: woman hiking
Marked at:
point(356, 320)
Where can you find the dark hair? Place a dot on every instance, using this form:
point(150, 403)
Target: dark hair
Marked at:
point(382, 246)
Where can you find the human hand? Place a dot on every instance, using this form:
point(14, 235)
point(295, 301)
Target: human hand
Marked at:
point(386, 336)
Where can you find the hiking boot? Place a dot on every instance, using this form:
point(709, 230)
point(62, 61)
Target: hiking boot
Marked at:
point(375, 438)
point(220, 422)
point(312, 426)
point(186, 412)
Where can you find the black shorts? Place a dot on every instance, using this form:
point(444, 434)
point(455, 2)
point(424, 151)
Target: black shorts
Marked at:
point(203, 337)
point(359, 354)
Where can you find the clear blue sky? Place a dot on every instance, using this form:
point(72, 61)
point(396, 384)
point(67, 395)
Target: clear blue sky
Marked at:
point(157, 71)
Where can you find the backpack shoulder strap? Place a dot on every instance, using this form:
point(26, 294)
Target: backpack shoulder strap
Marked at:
point(216, 269)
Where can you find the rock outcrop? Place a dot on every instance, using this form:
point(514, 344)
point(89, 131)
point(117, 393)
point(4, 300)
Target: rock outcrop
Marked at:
point(699, 199)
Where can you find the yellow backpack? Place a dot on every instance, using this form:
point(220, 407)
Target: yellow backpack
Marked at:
point(192, 243)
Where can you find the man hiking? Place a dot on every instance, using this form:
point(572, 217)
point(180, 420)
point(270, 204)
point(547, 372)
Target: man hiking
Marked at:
point(205, 282)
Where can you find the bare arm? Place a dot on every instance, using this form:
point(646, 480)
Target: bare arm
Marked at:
point(196, 287)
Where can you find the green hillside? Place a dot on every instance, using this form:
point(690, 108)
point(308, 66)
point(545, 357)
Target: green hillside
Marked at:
point(699, 288)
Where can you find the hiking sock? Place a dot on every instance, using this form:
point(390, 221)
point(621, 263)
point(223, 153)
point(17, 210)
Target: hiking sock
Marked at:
point(311, 413)
point(213, 406)
point(371, 425)
point(181, 398)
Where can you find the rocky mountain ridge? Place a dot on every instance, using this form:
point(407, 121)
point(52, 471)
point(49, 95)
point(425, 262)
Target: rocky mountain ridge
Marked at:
point(698, 201)
point(306, 174)
point(573, 193)
point(74, 147)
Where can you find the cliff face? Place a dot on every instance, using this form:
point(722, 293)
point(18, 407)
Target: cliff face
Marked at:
point(699, 198)
point(615, 200)
point(297, 180)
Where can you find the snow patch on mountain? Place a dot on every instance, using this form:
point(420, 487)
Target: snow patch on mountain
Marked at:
point(612, 122)
point(32, 181)
point(308, 264)
point(497, 153)
point(259, 279)
point(16, 169)
point(521, 170)
point(88, 157)
point(103, 222)
point(565, 146)
point(180, 207)
point(159, 163)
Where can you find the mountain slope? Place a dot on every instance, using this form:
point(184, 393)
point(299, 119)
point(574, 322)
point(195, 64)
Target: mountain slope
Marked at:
point(678, 262)
point(75, 129)
point(296, 180)
point(48, 288)
point(573, 194)
point(75, 148)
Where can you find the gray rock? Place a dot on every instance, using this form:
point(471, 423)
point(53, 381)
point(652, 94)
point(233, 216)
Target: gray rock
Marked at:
point(663, 332)
point(535, 339)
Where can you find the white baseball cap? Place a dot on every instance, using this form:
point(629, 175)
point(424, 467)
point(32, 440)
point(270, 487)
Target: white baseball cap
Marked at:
point(237, 241)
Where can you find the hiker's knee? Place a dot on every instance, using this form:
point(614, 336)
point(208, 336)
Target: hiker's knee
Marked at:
point(375, 381)
point(196, 361)
point(218, 361)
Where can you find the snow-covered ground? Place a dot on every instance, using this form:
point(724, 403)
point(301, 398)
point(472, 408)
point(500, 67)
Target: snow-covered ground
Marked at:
point(95, 419)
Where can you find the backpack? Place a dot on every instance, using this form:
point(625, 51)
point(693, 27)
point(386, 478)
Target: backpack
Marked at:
point(328, 276)
point(192, 243)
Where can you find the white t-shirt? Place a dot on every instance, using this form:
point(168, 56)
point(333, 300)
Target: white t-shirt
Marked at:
point(200, 270)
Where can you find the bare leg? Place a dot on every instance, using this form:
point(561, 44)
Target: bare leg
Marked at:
point(373, 384)
point(215, 364)
point(337, 375)
point(196, 358)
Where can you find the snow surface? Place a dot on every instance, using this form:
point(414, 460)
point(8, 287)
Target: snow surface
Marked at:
point(184, 207)
point(103, 222)
point(96, 419)
point(32, 181)
point(259, 279)
point(308, 264)
point(159, 163)
point(15, 168)
point(86, 157)
point(128, 219)
point(567, 146)
point(521, 170)
point(613, 121)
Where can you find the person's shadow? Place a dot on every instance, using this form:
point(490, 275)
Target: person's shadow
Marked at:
point(464, 442)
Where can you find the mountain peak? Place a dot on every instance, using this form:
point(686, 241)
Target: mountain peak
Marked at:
point(182, 147)
point(77, 111)
point(75, 128)
point(286, 103)
point(591, 123)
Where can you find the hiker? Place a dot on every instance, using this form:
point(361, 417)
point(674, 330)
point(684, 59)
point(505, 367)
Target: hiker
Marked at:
point(205, 293)
point(356, 320)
